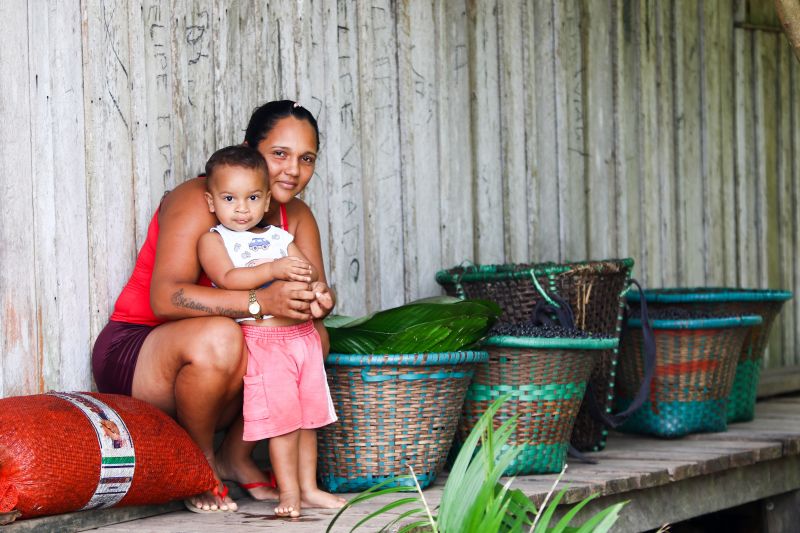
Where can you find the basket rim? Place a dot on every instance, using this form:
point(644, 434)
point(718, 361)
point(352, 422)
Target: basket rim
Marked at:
point(408, 359)
point(566, 343)
point(478, 272)
point(710, 295)
point(701, 323)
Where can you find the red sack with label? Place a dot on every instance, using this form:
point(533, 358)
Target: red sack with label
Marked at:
point(63, 452)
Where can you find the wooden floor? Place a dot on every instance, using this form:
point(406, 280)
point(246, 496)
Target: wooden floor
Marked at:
point(665, 481)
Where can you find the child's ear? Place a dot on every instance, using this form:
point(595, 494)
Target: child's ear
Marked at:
point(210, 201)
point(269, 199)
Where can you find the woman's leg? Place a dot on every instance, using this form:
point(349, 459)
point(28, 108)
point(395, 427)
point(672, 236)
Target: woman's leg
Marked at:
point(234, 461)
point(283, 454)
point(311, 494)
point(192, 369)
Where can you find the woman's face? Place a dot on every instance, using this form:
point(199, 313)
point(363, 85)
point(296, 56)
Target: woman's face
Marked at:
point(290, 149)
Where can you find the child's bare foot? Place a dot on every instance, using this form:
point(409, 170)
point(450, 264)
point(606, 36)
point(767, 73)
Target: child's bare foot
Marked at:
point(288, 505)
point(322, 500)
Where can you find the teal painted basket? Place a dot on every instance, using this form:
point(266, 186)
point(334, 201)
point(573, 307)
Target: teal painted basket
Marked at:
point(395, 411)
point(766, 303)
point(695, 366)
point(546, 378)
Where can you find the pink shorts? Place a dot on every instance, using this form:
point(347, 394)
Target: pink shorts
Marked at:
point(285, 387)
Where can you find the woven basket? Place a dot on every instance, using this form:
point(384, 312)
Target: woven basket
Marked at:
point(394, 411)
point(594, 291)
point(546, 378)
point(695, 366)
point(763, 302)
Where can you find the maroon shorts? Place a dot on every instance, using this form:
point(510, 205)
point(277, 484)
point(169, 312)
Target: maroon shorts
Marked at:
point(114, 356)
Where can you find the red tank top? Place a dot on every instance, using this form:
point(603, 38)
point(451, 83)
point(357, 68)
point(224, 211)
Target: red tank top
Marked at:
point(133, 304)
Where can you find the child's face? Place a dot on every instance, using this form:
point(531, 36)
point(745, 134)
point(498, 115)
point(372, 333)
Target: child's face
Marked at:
point(238, 196)
point(290, 149)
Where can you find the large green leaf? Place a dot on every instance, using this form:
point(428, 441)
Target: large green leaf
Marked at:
point(439, 324)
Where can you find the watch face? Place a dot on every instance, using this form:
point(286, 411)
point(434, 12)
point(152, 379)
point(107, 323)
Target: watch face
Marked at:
point(254, 308)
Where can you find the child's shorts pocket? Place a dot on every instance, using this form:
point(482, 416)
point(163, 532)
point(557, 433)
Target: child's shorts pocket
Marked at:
point(255, 405)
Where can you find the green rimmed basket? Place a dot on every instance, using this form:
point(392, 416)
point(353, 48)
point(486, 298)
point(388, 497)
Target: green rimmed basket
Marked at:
point(546, 378)
point(766, 303)
point(394, 410)
point(695, 366)
point(594, 290)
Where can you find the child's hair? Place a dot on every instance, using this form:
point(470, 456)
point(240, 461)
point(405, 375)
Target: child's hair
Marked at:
point(265, 117)
point(235, 156)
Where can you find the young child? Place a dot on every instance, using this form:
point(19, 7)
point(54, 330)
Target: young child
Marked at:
point(285, 387)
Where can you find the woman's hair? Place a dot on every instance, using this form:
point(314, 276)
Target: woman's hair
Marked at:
point(265, 117)
point(235, 156)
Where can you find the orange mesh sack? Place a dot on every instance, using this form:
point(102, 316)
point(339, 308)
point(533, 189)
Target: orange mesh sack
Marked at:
point(62, 452)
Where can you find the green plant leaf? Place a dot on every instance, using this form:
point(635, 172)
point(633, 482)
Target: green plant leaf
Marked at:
point(385, 509)
point(565, 520)
point(602, 521)
point(435, 324)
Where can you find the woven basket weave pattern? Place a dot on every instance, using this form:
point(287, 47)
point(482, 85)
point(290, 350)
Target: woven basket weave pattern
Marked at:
point(694, 374)
point(390, 417)
point(593, 290)
point(742, 399)
point(546, 387)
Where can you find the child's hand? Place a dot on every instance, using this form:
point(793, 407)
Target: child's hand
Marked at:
point(291, 269)
point(323, 302)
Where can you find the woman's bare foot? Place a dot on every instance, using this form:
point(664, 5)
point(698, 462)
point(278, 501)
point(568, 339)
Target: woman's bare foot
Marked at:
point(213, 501)
point(321, 499)
point(249, 477)
point(289, 505)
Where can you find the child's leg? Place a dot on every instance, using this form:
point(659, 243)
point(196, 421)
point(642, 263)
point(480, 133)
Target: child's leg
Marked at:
point(312, 495)
point(283, 454)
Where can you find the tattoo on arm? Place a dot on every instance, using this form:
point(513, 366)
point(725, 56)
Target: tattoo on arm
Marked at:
point(180, 300)
point(233, 313)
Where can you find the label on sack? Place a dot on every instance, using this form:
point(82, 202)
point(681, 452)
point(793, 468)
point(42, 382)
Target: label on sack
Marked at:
point(118, 459)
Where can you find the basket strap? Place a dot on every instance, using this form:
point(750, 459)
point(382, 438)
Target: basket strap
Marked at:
point(541, 290)
point(559, 307)
point(616, 420)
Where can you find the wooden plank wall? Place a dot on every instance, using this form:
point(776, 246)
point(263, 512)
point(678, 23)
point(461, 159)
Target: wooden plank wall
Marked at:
point(454, 131)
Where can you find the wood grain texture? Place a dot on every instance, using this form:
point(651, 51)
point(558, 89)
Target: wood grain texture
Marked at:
point(486, 148)
point(381, 159)
point(21, 369)
point(692, 266)
point(549, 245)
point(450, 131)
point(598, 141)
point(454, 120)
point(512, 132)
point(347, 216)
point(59, 198)
point(419, 152)
point(109, 180)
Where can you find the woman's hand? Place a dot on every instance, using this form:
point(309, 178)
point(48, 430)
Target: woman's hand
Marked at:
point(323, 301)
point(290, 299)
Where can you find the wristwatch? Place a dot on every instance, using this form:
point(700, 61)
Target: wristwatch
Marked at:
point(253, 307)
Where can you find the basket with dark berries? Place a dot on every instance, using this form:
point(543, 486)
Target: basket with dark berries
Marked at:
point(766, 303)
point(696, 357)
point(545, 370)
point(594, 291)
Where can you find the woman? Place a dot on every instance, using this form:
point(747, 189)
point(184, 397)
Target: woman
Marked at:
point(170, 340)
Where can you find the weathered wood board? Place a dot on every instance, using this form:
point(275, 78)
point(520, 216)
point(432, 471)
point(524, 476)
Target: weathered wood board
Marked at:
point(455, 131)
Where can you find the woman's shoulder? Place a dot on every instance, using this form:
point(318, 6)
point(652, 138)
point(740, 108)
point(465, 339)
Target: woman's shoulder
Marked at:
point(187, 202)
